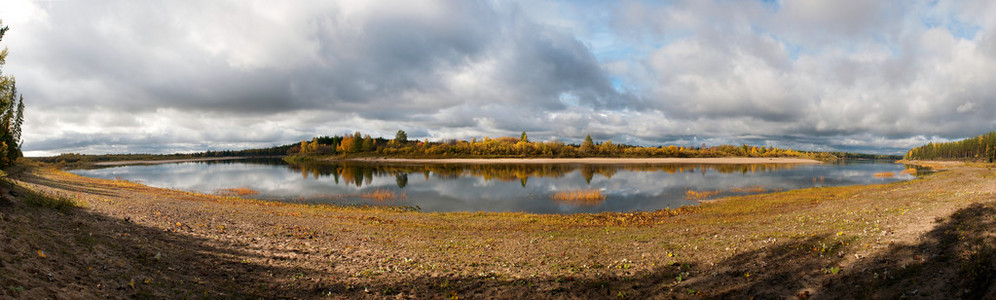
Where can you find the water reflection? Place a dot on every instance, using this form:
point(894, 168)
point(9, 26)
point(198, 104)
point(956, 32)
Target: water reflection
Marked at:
point(360, 173)
point(539, 188)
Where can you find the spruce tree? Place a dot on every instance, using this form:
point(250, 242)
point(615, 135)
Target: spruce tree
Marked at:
point(588, 146)
point(11, 113)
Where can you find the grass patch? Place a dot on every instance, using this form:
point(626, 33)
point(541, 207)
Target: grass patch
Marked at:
point(885, 175)
point(580, 197)
point(60, 203)
point(240, 191)
point(33, 198)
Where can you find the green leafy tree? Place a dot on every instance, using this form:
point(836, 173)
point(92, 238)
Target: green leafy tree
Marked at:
point(524, 138)
point(11, 113)
point(368, 143)
point(357, 142)
point(401, 137)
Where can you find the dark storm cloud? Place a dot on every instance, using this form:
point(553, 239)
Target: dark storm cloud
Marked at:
point(359, 60)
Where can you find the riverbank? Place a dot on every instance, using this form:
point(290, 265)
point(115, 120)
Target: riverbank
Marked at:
point(596, 160)
point(927, 237)
point(167, 161)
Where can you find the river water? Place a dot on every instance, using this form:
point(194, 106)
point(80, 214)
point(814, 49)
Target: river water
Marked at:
point(535, 188)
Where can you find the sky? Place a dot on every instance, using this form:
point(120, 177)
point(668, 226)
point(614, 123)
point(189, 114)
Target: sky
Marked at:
point(164, 76)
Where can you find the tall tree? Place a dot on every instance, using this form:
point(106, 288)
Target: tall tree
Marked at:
point(357, 142)
point(11, 113)
point(588, 146)
point(524, 138)
point(368, 143)
point(401, 137)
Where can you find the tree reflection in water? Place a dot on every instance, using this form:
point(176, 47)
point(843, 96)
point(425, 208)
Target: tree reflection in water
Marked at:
point(358, 173)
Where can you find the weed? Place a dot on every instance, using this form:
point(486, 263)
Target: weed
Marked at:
point(240, 191)
point(885, 175)
point(681, 277)
point(60, 203)
point(697, 195)
point(831, 270)
point(579, 197)
point(383, 195)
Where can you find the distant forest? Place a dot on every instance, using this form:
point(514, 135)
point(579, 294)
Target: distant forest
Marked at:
point(76, 158)
point(364, 145)
point(979, 148)
point(360, 145)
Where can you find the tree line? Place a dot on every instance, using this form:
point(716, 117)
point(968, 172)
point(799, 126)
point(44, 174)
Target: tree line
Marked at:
point(11, 113)
point(979, 148)
point(358, 144)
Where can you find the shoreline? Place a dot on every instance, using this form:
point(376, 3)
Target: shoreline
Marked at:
point(166, 161)
point(231, 247)
point(595, 160)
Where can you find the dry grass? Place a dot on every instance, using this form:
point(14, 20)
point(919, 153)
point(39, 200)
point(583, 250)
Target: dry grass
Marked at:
point(910, 171)
point(753, 189)
point(698, 195)
point(885, 175)
point(237, 192)
point(579, 197)
point(383, 195)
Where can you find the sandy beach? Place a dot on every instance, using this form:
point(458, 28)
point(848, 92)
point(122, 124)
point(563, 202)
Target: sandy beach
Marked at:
point(598, 160)
point(70, 236)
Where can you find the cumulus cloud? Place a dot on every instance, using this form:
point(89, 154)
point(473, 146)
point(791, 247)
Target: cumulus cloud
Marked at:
point(126, 76)
point(836, 71)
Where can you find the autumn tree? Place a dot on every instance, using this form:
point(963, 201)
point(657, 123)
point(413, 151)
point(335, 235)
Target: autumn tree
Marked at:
point(346, 146)
point(588, 146)
point(608, 148)
point(11, 113)
point(524, 138)
point(368, 144)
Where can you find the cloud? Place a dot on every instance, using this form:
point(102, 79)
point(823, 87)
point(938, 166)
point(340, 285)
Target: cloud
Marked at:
point(408, 63)
point(126, 76)
point(822, 69)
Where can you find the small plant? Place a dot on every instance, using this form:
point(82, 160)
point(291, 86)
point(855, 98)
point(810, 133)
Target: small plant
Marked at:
point(831, 270)
point(681, 276)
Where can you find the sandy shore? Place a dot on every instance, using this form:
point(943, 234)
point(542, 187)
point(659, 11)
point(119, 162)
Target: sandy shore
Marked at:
point(599, 160)
point(122, 240)
point(165, 161)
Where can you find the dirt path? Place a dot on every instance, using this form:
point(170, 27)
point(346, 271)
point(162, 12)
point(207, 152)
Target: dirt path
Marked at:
point(130, 240)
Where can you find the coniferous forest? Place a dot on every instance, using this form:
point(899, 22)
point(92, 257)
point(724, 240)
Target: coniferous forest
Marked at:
point(979, 148)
